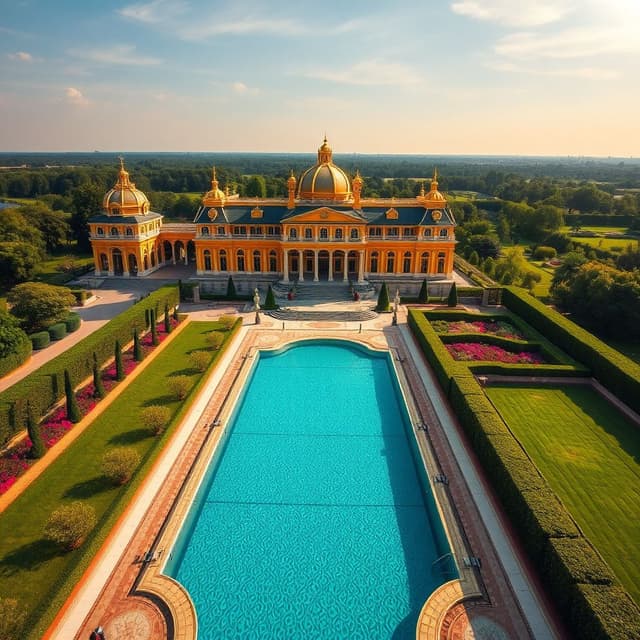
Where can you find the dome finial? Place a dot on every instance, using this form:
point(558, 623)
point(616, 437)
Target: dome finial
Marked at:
point(214, 179)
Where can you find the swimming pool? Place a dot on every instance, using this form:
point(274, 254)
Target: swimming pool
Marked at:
point(315, 519)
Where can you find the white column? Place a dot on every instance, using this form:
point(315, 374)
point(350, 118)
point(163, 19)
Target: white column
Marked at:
point(330, 278)
point(345, 267)
point(315, 265)
point(300, 265)
point(361, 267)
point(286, 266)
point(173, 253)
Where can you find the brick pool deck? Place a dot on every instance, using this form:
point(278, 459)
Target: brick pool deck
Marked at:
point(125, 591)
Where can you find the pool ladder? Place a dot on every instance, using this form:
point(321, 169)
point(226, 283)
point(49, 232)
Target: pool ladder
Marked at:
point(445, 571)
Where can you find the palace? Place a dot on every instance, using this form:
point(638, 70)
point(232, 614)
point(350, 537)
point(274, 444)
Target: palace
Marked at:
point(322, 231)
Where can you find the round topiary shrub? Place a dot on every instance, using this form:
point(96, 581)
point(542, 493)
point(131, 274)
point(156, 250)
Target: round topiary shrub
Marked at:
point(72, 322)
point(544, 253)
point(156, 418)
point(179, 386)
point(119, 463)
point(40, 340)
point(57, 331)
point(199, 360)
point(215, 339)
point(12, 619)
point(70, 524)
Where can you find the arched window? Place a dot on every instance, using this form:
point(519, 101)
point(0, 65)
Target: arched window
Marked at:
point(273, 261)
point(114, 231)
point(444, 232)
point(104, 262)
point(257, 261)
point(324, 233)
point(441, 258)
point(424, 262)
point(240, 260)
point(205, 231)
point(308, 233)
point(338, 234)
point(207, 260)
point(391, 262)
point(100, 231)
point(374, 262)
point(354, 234)
point(427, 232)
point(406, 262)
point(293, 234)
point(129, 231)
point(222, 256)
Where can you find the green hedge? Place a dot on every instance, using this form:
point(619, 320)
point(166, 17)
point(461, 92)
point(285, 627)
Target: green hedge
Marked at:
point(45, 387)
point(57, 331)
point(81, 295)
point(613, 370)
point(39, 340)
point(543, 370)
point(19, 356)
point(72, 322)
point(576, 578)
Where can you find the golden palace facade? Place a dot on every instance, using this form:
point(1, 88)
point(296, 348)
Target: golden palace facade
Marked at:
point(322, 231)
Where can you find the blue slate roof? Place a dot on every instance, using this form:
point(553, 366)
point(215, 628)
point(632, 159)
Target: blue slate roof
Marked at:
point(106, 219)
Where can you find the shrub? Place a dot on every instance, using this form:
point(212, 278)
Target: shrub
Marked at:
point(70, 524)
point(40, 340)
point(383, 298)
point(452, 299)
point(215, 339)
point(80, 295)
point(119, 464)
point(73, 411)
point(154, 329)
point(138, 353)
point(200, 359)
point(38, 304)
point(57, 331)
point(227, 321)
point(12, 619)
point(37, 445)
point(98, 386)
point(423, 296)
point(118, 361)
point(15, 345)
point(270, 300)
point(72, 322)
point(156, 417)
point(167, 320)
point(179, 386)
point(544, 253)
point(474, 258)
point(231, 289)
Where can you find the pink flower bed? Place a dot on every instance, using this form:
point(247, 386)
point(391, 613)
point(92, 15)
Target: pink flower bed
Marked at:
point(500, 328)
point(15, 461)
point(473, 351)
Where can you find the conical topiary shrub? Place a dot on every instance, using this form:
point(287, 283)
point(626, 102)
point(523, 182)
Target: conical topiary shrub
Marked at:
point(73, 411)
point(452, 300)
point(270, 300)
point(118, 358)
point(98, 387)
point(231, 289)
point(423, 296)
point(167, 321)
point(137, 347)
point(383, 298)
point(37, 445)
point(154, 329)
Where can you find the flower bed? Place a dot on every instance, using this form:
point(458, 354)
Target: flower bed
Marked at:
point(478, 351)
point(500, 328)
point(15, 460)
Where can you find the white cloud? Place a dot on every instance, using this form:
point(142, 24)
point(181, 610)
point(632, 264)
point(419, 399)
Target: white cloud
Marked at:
point(596, 73)
point(21, 56)
point(524, 13)
point(371, 72)
point(74, 96)
point(242, 89)
point(118, 54)
point(245, 26)
point(153, 12)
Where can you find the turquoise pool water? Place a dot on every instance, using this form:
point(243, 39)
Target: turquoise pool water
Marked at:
point(313, 520)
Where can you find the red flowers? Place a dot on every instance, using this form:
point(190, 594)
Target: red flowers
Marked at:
point(500, 328)
point(475, 351)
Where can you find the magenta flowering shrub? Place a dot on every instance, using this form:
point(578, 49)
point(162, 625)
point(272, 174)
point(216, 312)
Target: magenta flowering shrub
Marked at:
point(500, 328)
point(474, 351)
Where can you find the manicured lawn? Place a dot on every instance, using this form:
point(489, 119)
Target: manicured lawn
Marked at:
point(610, 244)
point(33, 570)
point(50, 270)
point(590, 455)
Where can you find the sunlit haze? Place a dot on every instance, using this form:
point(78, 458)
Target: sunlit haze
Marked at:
point(534, 77)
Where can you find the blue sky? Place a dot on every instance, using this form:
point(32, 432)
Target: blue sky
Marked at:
point(547, 77)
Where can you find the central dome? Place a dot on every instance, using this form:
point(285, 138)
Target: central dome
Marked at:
point(325, 181)
point(124, 199)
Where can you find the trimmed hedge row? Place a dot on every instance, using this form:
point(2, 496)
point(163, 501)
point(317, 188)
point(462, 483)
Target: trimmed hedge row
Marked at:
point(72, 322)
point(18, 357)
point(587, 595)
point(40, 340)
point(57, 331)
point(45, 387)
point(543, 370)
point(613, 370)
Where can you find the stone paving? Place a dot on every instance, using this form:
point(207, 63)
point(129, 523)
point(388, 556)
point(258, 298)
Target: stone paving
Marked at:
point(125, 592)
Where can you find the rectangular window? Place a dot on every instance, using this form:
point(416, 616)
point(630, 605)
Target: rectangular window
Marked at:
point(240, 231)
point(392, 232)
point(220, 231)
point(375, 232)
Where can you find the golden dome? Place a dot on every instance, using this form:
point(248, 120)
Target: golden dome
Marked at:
point(434, 199)
point(215, 196)
point(124, 199)
point(325, 181)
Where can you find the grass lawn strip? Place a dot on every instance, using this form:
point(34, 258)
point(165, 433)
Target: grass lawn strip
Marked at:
point(589, 454)
point(33, 570)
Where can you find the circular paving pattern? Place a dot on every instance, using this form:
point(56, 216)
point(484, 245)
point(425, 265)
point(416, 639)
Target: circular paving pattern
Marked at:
point(132, 625)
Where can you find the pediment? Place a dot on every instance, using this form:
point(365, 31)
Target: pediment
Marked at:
point(326, 214)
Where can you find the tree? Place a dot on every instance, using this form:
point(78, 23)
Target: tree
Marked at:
point(14, 227)
point(256, 187)
point(37, 445)
point(489, 266)
point(227, 321)
point(12, 619)
point(512, 267)
point(18, 262)
point(154, 328)
point(214, 339)
point(231, 289)
point(531, 279)
point(138, 353)
point(588, 198)
point(12, 337)
point(423, 296)
point(156, 417)
point(39, 305)
point(86, 203)
point(383, 298)
point(571, 263)
point(70, 524)
point(200, 360)
point(118, 361)
point(52, 225)
point(73, 411)
point(98, 386)
point(270, 300)
point(485, 246)
point(167, 320)
point(119, 464)
point(452, 300)
point(179, 386)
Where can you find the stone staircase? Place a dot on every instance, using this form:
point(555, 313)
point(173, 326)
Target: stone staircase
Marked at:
point(334, 315)
point(307, 292)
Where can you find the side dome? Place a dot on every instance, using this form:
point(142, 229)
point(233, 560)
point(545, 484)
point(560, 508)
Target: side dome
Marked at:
point(325, 181)
point(124, 199)
point(434, 199)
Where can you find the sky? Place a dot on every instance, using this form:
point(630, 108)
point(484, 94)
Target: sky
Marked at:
point(490, 77)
